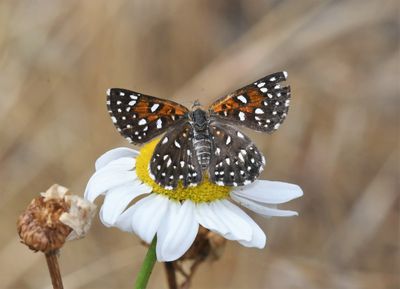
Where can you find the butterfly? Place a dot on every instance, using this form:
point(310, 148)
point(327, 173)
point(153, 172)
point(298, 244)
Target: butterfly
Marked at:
point(197, 142)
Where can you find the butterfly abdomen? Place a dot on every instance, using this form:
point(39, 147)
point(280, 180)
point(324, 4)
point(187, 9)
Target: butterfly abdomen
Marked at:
point(202, 147)
point(202, 144)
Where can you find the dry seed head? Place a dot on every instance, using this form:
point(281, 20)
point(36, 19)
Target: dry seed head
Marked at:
point(53, 218)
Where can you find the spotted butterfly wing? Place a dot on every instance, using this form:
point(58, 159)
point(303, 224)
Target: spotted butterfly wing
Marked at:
point(174, 158)
point(139, 117)
point(236, 161)
point(262, 105)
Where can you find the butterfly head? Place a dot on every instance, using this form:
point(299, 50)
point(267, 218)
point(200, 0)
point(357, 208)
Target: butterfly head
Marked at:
point(196, 105)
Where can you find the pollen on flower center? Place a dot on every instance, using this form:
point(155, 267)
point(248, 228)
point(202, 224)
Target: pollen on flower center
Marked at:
point(204, 192)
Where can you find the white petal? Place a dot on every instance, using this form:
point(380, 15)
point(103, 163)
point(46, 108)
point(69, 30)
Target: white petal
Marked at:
point(113, 155)
point(262, 209)
point(209, 219)
point(219, 218)
point(118, 198)
point(121, 164)
point(99, 184)
point(177, 231)
point(269, 192)
point(144, 217)
point(258, 238)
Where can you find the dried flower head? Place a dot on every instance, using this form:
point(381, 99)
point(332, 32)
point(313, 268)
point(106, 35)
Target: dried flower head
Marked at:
point(53, 218)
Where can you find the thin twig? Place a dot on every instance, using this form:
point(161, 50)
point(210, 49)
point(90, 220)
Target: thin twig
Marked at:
point(54, 269)
point(171, 275)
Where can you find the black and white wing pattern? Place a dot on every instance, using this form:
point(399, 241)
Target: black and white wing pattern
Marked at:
point(262, 105)
point(174, 159)
point(236, 160)
point(139, 117)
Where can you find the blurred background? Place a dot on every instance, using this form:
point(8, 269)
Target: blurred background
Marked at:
point(339, 142)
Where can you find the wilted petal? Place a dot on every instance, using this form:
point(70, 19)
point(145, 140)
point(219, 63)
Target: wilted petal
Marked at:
point(269, 192)
point(177, 231)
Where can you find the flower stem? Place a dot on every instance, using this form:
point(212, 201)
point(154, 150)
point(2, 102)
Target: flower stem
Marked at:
point(147, 266)
point(54, 269)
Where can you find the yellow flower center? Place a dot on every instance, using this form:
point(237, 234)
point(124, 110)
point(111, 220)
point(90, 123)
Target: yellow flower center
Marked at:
point(203, 192)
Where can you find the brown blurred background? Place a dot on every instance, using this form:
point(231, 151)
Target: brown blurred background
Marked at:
point(339, 142)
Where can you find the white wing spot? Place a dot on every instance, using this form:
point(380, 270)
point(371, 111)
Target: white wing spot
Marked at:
point(258, 111)
point(119, 102)
point(242, 116)
point(263, 89)
point(272, 78)
point(217, 151)
point(132, 102)
point(165, 157)
point(239, 134)
point(228, 161)
point(108, 92)
point(128, 108)
point(242, 99)
point(114, 120)
point(169, 162)
point(277, 125)
point(142, 121)
point(159, 123)
point(165, 140)
point(261, 84)
point(241, 157)
point(176, 143)
point(154, 107)
point(285, 74)
point(122, 93)
point(132, 96)
point(228, 140)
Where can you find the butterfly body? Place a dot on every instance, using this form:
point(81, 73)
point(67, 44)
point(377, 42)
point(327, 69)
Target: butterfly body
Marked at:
point(201, 142)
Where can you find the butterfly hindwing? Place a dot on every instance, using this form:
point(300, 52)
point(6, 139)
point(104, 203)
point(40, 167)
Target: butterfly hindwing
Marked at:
point(139, 117)
point(262, 105)
point(174, 159)
point(236, 160)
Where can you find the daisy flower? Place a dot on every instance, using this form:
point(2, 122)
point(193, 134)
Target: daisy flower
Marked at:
point(174, 216)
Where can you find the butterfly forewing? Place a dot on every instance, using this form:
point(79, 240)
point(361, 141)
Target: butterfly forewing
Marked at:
point(139, 117)
point(236, 160)
point(174, 158)
point(262, 105)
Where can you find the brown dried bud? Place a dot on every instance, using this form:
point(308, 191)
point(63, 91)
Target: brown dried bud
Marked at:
point(53, 218)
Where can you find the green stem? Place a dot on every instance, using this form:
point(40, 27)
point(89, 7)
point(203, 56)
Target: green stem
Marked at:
point(147, 266)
